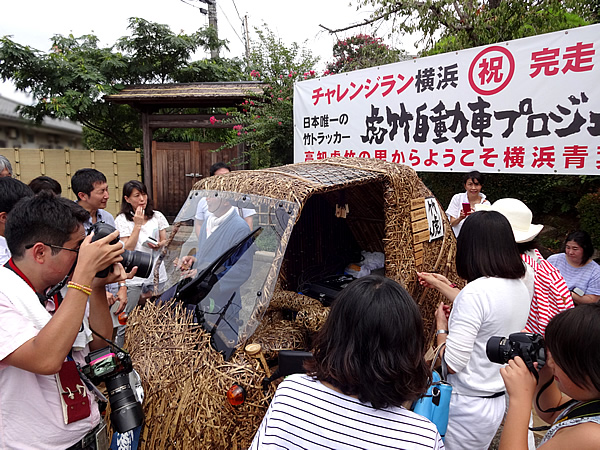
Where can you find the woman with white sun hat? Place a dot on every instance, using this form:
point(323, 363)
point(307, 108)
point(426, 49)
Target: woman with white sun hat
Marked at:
point(550, 292)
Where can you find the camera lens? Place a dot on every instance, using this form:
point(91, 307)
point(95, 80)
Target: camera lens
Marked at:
point(142, 260)
point(126, 412)
point(498, 349)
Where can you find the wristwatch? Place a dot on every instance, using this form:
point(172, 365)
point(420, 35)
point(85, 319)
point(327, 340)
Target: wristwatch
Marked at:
point(438, 332)
point(122, 284)
point(578, 291)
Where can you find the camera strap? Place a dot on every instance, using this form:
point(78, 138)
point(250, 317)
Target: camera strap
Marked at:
point(555, 409)
point(53, 294)
point(529, 363)
point(73, 394)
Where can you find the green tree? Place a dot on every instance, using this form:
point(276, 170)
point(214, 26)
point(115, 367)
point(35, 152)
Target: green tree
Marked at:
point(359, 52)
point(465, 24)
point(265, 123)
point(69, 81)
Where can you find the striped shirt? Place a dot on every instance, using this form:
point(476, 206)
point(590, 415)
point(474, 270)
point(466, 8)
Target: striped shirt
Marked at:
point(305, 414)
point(550, 293)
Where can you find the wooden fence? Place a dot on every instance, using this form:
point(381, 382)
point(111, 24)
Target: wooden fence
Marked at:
point(119, 166)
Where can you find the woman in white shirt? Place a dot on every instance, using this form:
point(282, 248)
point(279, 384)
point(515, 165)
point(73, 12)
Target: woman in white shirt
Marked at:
point(495, 302)
point(473, 182)
point(145, 230)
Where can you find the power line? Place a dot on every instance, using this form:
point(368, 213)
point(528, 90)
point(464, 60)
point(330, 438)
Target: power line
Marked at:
point(236, 10)
point(229, 22)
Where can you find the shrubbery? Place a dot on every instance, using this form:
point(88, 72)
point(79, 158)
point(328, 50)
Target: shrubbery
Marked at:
point(589, 216)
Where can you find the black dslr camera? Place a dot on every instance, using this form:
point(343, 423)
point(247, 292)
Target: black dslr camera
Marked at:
point(113, 366)
point(142, 260)
point(529, 346)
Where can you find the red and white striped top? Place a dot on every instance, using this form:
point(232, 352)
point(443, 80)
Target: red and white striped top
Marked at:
point(550, 293)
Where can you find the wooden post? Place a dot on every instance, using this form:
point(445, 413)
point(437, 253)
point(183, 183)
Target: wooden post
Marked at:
point(147, 144)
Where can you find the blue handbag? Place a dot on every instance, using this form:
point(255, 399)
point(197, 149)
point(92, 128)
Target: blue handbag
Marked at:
point(435, 403)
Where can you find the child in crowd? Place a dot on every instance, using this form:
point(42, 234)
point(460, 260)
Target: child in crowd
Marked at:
point(573, 361)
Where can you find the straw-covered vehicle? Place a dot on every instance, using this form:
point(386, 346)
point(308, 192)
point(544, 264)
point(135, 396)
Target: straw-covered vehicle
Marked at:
point(311, 221)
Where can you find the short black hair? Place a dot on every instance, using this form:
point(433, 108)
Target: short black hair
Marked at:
point(11, 191)
point(126, 208)
point(84, 180)
point(43, 182)
point(473, 175)
point(573, 338)
point(372, 344)
point(42, 218)
point(217, 166)
point(584, 240)
point(486, 247)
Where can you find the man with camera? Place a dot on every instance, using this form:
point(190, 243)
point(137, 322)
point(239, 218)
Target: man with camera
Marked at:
point(44, 402)
point(91, 189)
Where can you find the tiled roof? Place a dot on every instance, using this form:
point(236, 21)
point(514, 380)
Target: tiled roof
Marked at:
point(8, 111)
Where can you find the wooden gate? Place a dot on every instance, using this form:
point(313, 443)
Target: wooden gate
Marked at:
point(178, 165)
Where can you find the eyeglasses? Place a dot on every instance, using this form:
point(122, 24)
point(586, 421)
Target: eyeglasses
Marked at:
point(75, 250)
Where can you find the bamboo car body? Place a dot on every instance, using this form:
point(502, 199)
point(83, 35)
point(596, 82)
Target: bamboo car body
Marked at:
point(313, 215)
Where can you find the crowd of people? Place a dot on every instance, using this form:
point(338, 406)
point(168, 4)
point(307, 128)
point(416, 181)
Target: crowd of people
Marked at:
point(368, 361)
point(50, 263)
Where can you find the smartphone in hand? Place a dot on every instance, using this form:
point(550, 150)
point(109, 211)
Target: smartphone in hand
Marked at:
point(150, 240)
point(466, 208)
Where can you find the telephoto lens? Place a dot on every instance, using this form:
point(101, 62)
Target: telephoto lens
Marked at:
point(126, 412)
point(142, 260)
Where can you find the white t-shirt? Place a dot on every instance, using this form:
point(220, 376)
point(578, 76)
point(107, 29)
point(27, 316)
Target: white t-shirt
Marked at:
point(4, 251)
point(484, 308)
point(455, 207)
point(151, 228)
point(305, 413)
point(202, 212)
point(30, 408)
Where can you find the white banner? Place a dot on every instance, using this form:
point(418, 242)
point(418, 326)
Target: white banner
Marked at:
point(526, 106)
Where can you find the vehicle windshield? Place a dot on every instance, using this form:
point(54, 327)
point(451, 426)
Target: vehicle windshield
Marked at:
point(223, 258)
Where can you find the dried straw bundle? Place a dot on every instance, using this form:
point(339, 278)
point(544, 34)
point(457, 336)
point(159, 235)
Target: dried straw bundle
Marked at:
point(185, 383)
point(276, 334)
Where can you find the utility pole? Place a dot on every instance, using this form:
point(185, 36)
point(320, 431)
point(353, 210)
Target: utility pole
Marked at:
point(212, 21)
point(247, 36)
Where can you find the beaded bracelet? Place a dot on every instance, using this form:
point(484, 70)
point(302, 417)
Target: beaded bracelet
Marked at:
point(80, 287)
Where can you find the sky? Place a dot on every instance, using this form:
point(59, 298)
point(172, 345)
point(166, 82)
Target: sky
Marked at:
point(34, 22)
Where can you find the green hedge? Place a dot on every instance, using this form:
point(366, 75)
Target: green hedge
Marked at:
point(589, 216)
